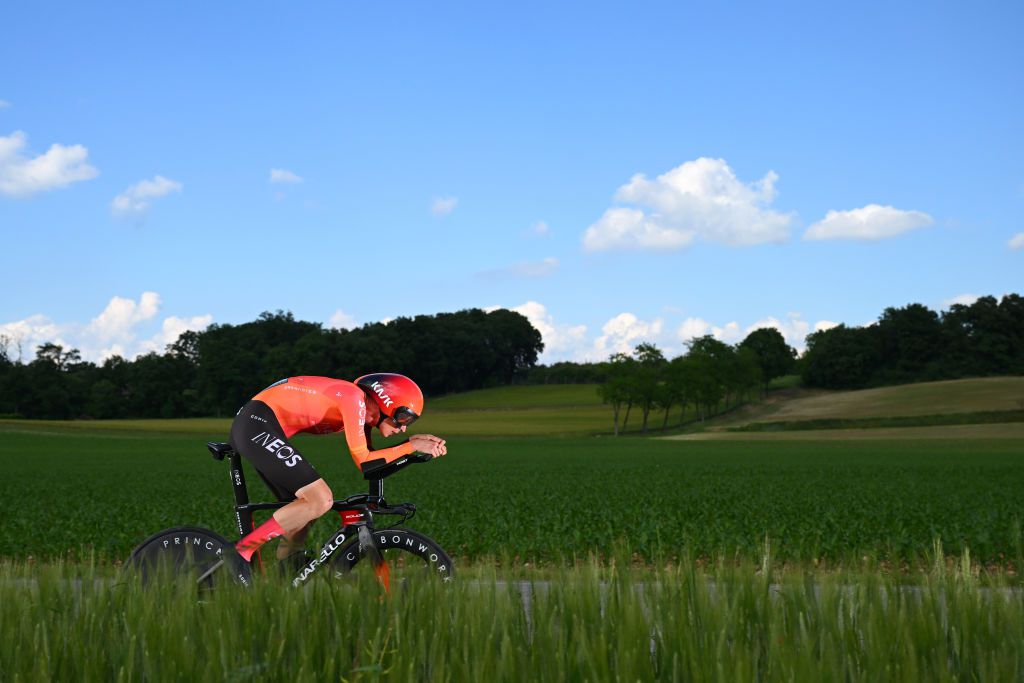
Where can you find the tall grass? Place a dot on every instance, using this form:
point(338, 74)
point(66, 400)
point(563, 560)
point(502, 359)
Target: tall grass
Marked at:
point(594, 622)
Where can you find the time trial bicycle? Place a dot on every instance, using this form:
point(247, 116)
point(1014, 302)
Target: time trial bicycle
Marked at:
point(207, 558)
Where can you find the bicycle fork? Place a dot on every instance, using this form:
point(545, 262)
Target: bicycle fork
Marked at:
point(380, 566)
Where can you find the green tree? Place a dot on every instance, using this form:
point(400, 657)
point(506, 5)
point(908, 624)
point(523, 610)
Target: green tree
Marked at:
point(615, 389)
point(711, 359)
point(774, 356)
point(909, 345)
point(647, 378)
point(840, 358)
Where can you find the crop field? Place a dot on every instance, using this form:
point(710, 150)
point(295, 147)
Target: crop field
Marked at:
point(72, 492)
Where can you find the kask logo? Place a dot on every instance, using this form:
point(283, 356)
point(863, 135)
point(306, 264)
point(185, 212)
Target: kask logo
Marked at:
point(378, 389)
point(278, 447)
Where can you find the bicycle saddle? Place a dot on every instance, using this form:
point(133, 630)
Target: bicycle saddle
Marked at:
point(219, 450)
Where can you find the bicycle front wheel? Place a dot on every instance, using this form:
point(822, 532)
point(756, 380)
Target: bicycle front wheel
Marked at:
point(409, 555)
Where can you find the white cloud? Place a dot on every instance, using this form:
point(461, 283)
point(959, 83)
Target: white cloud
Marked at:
point(632, 229)
point(4, 104)
point(23, 336)
point(622, 333)
point(60, 166)
point(872, 222)
point(561, 342)
point(170, 330)
point(539, 228)
point(121, 314)
point(442, 206)
point(964, 299)
point(692, 328)
point(281, 175)
point(173, 327)
point(1017, 241)
point(116, 330)
point(115, 325)
point(340, 320)
point(701, 198)
point(529, 269)
point(571, 342)
point(793, 327)
point(134, 202)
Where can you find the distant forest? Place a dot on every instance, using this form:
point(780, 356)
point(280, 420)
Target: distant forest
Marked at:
point(212, 372)
point(215, 371)
point(916, 344)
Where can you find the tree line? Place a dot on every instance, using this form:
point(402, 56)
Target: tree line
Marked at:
point(917, 344)
point(214, 371)
point(711, 376)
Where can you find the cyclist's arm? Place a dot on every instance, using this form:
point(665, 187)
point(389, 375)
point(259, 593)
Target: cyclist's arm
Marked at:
point(354, 414)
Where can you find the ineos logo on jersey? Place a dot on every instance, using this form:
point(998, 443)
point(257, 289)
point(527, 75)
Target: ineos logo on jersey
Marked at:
point(278, 447)
point(362, 413)
point(378, 389)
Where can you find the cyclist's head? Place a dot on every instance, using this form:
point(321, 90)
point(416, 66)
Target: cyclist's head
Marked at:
point(399, 399)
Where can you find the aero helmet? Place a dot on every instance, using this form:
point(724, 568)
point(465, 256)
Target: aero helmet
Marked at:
point(396, 395)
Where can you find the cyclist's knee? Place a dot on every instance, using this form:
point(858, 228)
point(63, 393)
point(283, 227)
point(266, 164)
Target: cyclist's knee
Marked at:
point(318, 495)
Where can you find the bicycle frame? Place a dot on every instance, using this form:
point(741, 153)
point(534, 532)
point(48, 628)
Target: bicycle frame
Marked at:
point(355, 511)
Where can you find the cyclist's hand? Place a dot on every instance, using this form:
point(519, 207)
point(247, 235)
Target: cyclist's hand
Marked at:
point(428, 443)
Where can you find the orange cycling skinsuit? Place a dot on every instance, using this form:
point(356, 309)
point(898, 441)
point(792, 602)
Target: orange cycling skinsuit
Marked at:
point(321, 405)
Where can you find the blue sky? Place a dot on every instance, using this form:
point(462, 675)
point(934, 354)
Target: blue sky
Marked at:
point(617, 172)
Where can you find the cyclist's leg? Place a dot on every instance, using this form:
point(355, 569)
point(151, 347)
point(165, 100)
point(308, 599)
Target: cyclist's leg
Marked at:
point(257, 435)
point(289, 543)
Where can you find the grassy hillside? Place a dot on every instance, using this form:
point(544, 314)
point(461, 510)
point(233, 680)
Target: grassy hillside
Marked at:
point(539, 396)
point(925, 398)
point(966, 402)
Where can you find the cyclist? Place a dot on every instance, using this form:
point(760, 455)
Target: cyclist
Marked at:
point(322, 405)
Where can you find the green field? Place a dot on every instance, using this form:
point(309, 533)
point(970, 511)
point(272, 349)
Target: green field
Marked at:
point(553, 499)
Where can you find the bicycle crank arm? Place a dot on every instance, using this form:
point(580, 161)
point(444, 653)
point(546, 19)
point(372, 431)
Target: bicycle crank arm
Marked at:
point(210, 571)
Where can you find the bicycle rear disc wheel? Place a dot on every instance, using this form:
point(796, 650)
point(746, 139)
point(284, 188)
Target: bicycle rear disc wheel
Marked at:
point(190, 554)
point(410, 556)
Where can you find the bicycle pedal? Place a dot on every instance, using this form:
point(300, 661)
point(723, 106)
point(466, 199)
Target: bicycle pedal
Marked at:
point(292, 563)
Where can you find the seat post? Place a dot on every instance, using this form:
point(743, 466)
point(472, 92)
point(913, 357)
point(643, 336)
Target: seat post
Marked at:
point(377, 487)
point(243, 516)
